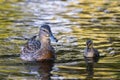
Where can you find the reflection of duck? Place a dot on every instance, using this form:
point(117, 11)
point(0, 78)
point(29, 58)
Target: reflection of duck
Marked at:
point(42, 68)
point(89, 68)
point(37, 50)
point(90, 51)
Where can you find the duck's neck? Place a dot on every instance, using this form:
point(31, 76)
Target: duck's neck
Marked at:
point(89, 47)
point(45, 44)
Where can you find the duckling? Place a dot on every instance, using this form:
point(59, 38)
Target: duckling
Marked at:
point(90, 51)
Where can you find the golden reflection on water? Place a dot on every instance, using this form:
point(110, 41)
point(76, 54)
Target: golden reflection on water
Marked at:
point(78, 21)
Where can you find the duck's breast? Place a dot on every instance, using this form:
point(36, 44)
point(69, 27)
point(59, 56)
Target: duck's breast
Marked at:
point(88, 53)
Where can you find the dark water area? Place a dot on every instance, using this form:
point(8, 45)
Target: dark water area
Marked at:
point(72, 22)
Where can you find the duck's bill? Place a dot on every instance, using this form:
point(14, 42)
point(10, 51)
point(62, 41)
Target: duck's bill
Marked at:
point(53, 39)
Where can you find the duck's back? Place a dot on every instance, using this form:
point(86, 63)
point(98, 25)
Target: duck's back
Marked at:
point(29, 49)
point(96, 53)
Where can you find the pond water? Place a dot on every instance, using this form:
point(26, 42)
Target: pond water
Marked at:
point(72, 22)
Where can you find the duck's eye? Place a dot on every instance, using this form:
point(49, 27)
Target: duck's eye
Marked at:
point(45, 30)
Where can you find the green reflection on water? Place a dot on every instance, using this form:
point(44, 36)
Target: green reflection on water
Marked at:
point(7, 18)
point(97, 20)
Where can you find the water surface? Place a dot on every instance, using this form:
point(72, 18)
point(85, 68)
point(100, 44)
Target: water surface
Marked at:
point(72, 22)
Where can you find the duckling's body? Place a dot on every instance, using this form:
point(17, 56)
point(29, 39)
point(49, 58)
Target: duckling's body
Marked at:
point(38, 50)
point(91, 52)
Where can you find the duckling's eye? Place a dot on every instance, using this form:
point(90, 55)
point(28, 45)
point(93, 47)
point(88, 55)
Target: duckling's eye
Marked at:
point(45, 30)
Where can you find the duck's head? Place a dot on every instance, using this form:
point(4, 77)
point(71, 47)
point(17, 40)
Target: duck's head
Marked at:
point(89, 43)
point(46, 33)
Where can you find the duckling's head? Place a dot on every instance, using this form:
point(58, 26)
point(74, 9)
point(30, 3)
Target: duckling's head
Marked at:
point(89, 43)
point(46, 33)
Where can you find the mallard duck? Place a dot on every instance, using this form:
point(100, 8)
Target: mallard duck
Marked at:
point(38, 50)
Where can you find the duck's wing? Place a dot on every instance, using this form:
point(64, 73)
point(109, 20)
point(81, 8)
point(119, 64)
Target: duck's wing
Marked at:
point(96, 53)
point(31, 46)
